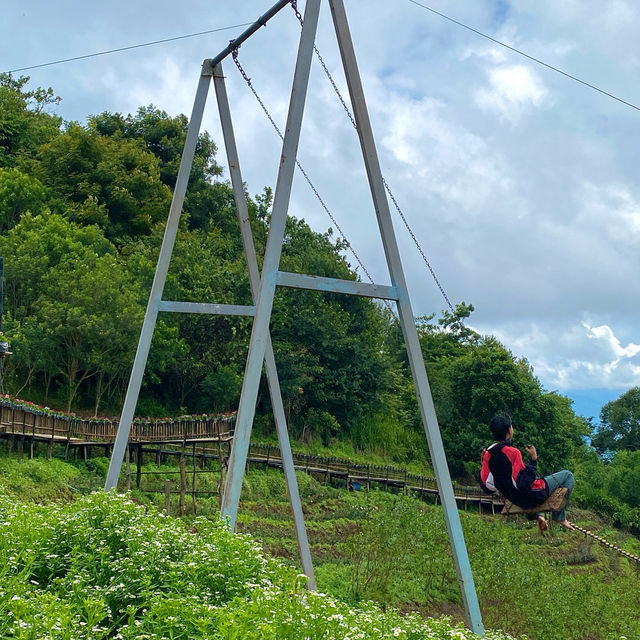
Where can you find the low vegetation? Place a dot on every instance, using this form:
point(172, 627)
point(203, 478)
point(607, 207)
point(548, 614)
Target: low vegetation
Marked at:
point(104, 567)
point(141, 572)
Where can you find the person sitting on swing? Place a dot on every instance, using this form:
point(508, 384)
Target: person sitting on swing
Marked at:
point(504, 470)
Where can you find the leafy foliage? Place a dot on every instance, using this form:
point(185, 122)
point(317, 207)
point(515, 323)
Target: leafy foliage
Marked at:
point(102, 567)
point(620, 424)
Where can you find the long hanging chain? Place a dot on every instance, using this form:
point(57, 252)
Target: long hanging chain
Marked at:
point(294, 6)
point(234, 55)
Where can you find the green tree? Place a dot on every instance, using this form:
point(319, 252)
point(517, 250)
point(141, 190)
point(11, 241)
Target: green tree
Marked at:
point(108, 181)
point(619, 424)
point(164, 137)
point(38, 245)
point(75, 310)
point(24, 121)
point(472, 378)
point(19, 193)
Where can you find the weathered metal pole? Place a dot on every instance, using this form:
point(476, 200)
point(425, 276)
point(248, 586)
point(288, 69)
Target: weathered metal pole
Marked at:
point(155, 297)
point(260, 333)
point(270, 362)
point(260, 22)
point(407, 322)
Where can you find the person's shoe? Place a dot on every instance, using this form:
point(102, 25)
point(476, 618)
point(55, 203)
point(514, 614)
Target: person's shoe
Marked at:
point(542, 524)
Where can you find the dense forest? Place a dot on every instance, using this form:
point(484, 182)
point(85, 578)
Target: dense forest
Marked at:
point(82, 212)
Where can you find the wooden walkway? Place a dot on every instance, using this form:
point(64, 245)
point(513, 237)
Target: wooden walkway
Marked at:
point(31, 423)
point(209, 438)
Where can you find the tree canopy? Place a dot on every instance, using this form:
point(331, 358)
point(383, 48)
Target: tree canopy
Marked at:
point(620, 424)
point(82, 211)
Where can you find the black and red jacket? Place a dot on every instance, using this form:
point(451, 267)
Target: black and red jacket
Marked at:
point(504, 470)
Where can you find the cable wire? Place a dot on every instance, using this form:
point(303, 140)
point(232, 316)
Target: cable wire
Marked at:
point(128, 48)
point(526, 55)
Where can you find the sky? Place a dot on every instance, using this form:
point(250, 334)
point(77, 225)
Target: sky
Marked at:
point(520, 184)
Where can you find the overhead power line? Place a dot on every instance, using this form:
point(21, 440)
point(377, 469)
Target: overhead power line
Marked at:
point(526, 55)
point(128, 48)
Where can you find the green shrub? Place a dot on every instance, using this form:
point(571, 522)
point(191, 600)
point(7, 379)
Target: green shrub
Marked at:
point(102, 567)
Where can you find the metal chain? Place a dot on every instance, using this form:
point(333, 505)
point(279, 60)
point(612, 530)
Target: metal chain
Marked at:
point(604, 542)
point(234, 55)
point(294, 6)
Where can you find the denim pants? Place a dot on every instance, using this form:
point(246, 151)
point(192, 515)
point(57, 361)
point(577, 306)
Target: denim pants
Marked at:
point(562, 478)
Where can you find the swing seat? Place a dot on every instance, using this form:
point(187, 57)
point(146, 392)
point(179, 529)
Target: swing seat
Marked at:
point(555, 502)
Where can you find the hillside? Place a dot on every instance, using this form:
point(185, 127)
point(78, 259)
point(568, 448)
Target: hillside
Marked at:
point(104, 567)
point(366, 545)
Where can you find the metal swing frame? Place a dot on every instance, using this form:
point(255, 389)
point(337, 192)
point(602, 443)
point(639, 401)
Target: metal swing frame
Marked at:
point(263, 289)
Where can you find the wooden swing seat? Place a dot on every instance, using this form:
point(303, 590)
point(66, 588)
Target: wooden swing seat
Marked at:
point(555, 502)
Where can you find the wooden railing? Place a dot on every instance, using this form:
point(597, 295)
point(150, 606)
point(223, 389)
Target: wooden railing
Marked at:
point(32, 422)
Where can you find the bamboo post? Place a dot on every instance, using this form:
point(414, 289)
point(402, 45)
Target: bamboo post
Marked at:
point(167, 496)
point(183, 485)
point(128, 466)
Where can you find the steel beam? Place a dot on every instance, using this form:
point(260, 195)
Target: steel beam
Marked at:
point(260, 22)
point(270, 363)
point(427, 410)
point(205, 307)
point(159, 279)
point(335, 285)
point(264, 302)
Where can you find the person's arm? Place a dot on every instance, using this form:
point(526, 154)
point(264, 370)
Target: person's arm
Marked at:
point(530, 472)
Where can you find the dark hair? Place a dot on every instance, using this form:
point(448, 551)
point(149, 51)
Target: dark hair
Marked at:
point(499, 425)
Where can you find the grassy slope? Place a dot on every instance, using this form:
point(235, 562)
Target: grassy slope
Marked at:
point(394, 549)
point(102, 567)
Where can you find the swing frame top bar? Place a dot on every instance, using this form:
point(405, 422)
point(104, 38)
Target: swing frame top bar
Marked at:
point(234, 44)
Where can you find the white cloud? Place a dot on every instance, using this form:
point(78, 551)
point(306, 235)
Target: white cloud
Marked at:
point(605, 334)
point(513, 89)
point(439, 156)
point(616, 212)
point(580, 357)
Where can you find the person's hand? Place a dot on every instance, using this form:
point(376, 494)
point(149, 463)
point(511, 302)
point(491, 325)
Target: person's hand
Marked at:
point(531, 450)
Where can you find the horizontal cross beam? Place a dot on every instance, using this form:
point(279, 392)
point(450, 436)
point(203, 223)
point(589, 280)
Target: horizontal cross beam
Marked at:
point(205, 307)
point(335, 285)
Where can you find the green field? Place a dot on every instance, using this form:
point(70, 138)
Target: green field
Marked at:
point(81, 565)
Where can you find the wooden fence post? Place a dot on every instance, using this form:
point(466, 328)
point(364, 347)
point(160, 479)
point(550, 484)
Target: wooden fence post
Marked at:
point(167, 496)
point(139, 465)
point(193, 480)
point(127, 455)
point(183, 485)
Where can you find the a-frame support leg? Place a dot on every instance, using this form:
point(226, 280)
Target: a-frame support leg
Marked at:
point(151, 314)
point(270, 363)
point(407, 322)
point(264, 304)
